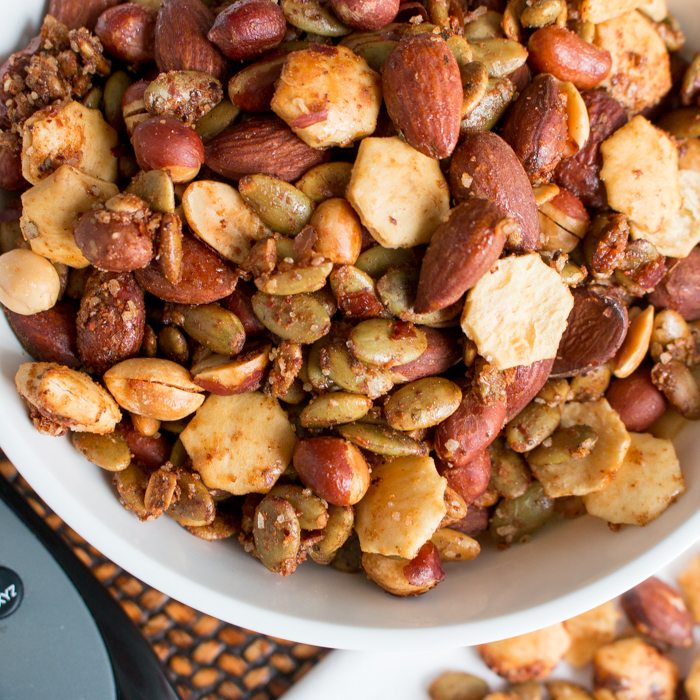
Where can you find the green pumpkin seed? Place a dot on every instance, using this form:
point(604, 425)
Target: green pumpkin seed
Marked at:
point(175, 426)
point(281, 206)
point(216, 328)
point(527, 690)
point(356, 293)
point(115, 87)
point(573, 275)
point(486, 26)
point(592, 385)
point(383, 343)
point(300, 317)
point(382, 440)
point(377, 260)
point(354, 376)
point(475, 81)
point(178, 454)
point(500, 56)
point(109, 452)
point(93, 99)
point(173, 343)
point(348, 558)
point(222, 527)
point(564, 444)
point(183, 94)
point(499, 94)
point(423, 403)
point(554, 393)
point(317, 370)
point(679, 386)
point(510, 475)
point(683, 123)
point(397, 290)
point(277, 534)
point(195, 508)
point(461, 49)
point(313, 17)
point(542, 13)
point(221, 117)
point(456, 685)
point(131, 484)
point(156, 189)
point(311, 511)
point(285, 248)
point(325, 297)
point(454, 545)
point(516, 520)
point(295, 394)
point(325, 181)
point(298, 280)
point(531, 426)
point(338, 528)
point(376, 53)
point(335, 409)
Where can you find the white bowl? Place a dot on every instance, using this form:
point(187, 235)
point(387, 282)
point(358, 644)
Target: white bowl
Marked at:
point(568, 567)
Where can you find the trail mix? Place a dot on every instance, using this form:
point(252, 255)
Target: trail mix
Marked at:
point(359, 281)
point(631, 646)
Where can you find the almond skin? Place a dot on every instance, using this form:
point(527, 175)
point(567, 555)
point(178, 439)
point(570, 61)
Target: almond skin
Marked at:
point(469, 480)
point(48, 336)
point(566, 56)
point(484, 165)
point(461, 251)
point(262, 145)
point(523, 383)
point(79, 13)
point(659, 612)
point(205, 277)
point(181, 41)
point(597, 325)
point(423, 93)
point(248, 29)
point(536, 128)
point(110, 321)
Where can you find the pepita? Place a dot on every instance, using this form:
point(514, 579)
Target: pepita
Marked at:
point(516, 520)
point(383, 343)
point(335, 534)
point(531, 426)
point(382, 440)
point(277, 534)
point(300, 317)
point(336, 408)
point(423, 403)
point(195, 507)
point(311, 511)
point(109, 452)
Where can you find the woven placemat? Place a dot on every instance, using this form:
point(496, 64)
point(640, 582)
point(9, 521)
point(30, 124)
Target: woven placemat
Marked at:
point(206, 659)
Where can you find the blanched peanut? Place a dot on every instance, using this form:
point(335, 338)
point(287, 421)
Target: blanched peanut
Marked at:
point(338, 230)
point(29, 283)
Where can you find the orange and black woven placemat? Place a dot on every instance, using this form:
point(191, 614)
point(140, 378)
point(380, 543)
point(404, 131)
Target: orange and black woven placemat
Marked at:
point(206, 659)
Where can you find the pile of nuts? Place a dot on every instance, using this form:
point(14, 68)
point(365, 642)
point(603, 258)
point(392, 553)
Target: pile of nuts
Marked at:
point(359, 281)
point(628, 662)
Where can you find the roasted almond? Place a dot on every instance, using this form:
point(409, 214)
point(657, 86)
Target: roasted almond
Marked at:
point(79, 13)
point(484, 165)
point(248, 29)
point(596, 327)
point(181, 41)
point(523, 383)
point(680, 287)
point(423, 93)
point(48, 336)
point(461, 251)
point(566, 56)
point(265, 145)
point(659, 612)
point(580, 172)
point(110, 321)
point(204, 277)
point(536, 128)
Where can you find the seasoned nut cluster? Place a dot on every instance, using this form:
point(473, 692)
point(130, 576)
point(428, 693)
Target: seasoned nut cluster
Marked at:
point(360, 282)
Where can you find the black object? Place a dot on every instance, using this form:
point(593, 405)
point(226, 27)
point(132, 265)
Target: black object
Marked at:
point(62, 636)
point(11, 592)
